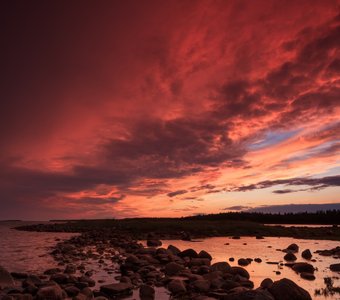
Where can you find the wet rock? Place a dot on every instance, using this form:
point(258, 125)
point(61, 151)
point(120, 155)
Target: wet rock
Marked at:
point(133, 259)
point(52, 271)
point(239, 271)
point(70, 269)
point(307, 276)
point(19, 275)
point(59, 278)
point(146, 292)
point(6, 279)
point(174, 250)
point(335, 267)
point(290, 257)
point(154, 243)
point(285, 289)
point(229, 285)
point(177, 287)
point(53, 292)
point(117, 289)
point(173, 268)
point(303, 268)
point(306, 254)
point(220, 266)
point(202, 285)
point(204, 254)
point(200, 262)
point(191, 253)
point(293, 248)
point(266, 283)
point(243, 262)
point(71, 291)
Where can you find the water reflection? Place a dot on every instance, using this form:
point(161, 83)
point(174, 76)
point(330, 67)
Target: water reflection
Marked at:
point(222, 248)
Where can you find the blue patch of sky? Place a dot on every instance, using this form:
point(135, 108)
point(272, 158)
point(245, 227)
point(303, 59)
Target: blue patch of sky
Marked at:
point(272, 138)
point(313, 151)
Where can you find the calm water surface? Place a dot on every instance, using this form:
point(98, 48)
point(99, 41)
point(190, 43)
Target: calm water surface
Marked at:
point(222, 248)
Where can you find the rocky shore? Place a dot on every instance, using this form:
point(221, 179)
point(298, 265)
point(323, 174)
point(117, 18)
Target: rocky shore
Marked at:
point(186, 274)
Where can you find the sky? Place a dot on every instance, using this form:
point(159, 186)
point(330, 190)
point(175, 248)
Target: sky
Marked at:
point(167, 108)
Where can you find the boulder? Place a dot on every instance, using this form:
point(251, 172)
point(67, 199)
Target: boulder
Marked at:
point(335, 267)
point(52, 292)
point(243, 262)
point(285, 289)
point(292, 248)
point(146, 292)
point(239, 271)
point(201, 285)
point(172, 268)
point(177, 286)
point(188, 253)
point(290, 257)
point(306, 254)
point(266, 283)
point(154, 243)
point(72, 291)
point(6, 279)
point(303, 267)
point(224, 267)
point(174, 250)
point(307, 276)
point(204, 254)
point(117, 289)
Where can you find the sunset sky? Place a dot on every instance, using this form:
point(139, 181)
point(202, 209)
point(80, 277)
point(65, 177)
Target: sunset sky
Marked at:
point(167, 108)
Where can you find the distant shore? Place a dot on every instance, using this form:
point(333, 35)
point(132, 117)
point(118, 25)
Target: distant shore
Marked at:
point(178, 228)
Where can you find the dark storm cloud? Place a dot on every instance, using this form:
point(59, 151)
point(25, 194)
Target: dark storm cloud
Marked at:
point(312, 183)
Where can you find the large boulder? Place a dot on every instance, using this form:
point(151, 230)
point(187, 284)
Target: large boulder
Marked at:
point(173, 249)
point(188, 253)
point(146, 292)
point(172, 268)
point(204, 254)
point(177, 286)
point(6, 279)
point(290, 257)
point(306, 254)
point(303, 267)
point(117, 289)
point(292, 248)
point(222, 266)
point(285, 289)
point(240, 271)
point(154, 243)
point(202, 285)
point(52, 292)
point(335, 267)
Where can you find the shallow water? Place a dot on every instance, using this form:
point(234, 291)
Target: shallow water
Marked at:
point(23, 251)
point(222, 248)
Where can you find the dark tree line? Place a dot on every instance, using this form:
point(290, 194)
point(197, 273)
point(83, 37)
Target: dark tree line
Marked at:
point(320, 217)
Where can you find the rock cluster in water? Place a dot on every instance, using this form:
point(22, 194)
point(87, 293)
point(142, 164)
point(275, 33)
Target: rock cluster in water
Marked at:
point(186, 274)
